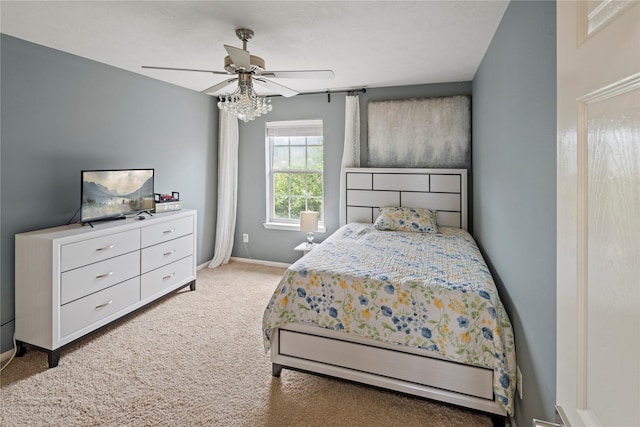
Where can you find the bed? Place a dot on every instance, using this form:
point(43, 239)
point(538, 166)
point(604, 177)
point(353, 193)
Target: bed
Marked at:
point(414, 312)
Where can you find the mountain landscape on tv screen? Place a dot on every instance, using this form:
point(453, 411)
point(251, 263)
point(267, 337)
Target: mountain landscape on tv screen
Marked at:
point(98, 191)
point(99, 201)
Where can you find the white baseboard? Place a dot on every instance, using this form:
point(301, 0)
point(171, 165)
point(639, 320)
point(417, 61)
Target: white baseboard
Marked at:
point(261, 262)
point(249, 261)
point(6, 356)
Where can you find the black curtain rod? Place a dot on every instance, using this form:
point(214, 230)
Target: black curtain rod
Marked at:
point(329, 92)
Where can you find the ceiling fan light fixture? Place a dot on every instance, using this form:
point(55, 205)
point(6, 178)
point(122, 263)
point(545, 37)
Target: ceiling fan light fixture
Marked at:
point(245, 103)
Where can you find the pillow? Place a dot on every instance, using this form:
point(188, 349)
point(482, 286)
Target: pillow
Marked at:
point(420, 220)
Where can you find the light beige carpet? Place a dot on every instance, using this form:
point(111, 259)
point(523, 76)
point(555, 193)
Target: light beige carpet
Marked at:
point(196, 358)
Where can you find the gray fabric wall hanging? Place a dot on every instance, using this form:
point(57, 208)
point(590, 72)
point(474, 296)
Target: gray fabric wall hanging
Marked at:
point(428, 132)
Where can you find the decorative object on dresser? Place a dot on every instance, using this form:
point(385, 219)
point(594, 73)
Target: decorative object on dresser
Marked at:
point(167, 202)
point(73, 280)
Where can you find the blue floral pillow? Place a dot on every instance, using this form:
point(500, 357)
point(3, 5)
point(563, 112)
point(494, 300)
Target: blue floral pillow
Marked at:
point(420, 220)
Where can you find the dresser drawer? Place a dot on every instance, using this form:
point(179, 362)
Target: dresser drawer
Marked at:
point(94, 277)
point(165, 253)
point(165, 277)
point(169, 230)
point(74, 255)
point(93, 308)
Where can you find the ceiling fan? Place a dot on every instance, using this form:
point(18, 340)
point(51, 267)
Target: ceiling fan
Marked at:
point(250, 68)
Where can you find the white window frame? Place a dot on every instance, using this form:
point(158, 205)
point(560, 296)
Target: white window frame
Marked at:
point(289, 224)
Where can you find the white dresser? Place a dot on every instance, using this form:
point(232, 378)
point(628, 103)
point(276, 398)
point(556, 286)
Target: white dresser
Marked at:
point(74, 279)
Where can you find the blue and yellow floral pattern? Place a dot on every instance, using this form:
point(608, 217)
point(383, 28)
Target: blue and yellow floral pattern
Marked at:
point(431, 291)
point(419, 220)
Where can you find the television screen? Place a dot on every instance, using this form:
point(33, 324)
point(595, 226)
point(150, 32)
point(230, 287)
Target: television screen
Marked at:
point(115, 193)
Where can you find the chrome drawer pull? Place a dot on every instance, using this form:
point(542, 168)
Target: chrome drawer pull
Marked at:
point(169, 276)
point(169, 231)
point(102, 276)
point(105, 248)
point(170, 253)
point(103, 305)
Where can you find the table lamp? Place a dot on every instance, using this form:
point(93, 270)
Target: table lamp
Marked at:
point(309, 223)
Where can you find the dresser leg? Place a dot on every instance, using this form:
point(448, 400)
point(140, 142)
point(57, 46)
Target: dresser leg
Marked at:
point(54, 358)
point(276, 370)
point(498, 421)
point(21, 349)
point(192, 285)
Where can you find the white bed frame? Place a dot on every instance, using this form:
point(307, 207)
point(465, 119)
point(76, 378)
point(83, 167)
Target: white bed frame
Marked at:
point(416, 372)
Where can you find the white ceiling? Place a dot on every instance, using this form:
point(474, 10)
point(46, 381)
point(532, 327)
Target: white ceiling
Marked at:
point(366, 43)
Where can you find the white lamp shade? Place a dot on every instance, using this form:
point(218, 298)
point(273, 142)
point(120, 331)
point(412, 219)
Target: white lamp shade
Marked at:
point(309, 221)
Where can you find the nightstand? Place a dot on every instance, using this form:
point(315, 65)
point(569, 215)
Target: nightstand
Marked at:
point(305, 247)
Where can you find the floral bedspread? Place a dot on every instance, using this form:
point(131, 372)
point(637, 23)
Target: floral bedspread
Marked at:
point(431, 291)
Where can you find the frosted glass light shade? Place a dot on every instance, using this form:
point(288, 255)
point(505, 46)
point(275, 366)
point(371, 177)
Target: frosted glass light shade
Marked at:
point(309, 221)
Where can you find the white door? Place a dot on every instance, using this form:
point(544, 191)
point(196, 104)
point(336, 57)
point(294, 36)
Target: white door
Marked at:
point(598, 200)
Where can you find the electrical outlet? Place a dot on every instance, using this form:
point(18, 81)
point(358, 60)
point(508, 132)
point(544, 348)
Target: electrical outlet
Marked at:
point(519, 381)
point(245, 238)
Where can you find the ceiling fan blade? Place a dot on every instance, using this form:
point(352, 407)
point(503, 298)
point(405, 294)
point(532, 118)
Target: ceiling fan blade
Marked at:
point(301, 74)
point(185, 69)
point(217, 87)
point(276, 87)
point(240, 57)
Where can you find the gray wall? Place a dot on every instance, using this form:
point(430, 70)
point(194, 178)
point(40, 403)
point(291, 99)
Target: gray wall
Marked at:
point(277, 245)
point(514, 163)
point(61, 113)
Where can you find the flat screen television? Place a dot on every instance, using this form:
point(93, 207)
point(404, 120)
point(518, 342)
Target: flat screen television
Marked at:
point(113, 194)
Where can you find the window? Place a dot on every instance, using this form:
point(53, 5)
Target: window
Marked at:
point(295, 161)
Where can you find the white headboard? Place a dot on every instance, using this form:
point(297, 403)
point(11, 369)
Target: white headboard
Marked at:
point(369, 189)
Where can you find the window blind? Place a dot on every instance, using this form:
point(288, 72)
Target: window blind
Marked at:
point(306, 128)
